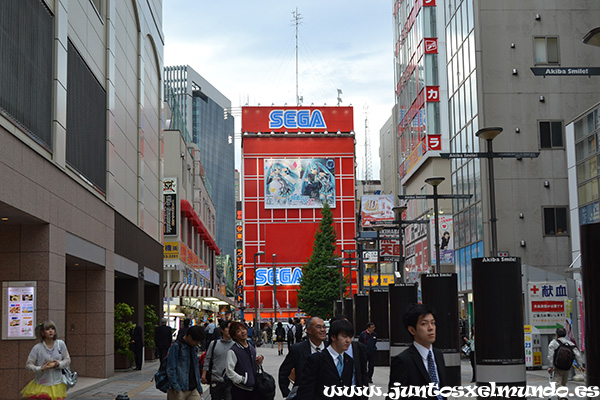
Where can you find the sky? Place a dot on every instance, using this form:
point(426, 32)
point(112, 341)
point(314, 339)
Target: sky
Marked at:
point(247, 50)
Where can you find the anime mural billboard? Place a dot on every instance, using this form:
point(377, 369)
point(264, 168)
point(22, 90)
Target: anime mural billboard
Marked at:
point(299, 183)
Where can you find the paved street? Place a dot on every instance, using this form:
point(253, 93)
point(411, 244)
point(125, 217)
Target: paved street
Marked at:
point(138, 385)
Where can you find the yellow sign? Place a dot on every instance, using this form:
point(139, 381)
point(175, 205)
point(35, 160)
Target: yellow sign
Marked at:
point(372, 280)
point(171, 250)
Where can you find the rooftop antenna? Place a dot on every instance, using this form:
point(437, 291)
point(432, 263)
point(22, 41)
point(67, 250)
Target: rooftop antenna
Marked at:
point(297, 21)
point(368, 169)
point(339, 99)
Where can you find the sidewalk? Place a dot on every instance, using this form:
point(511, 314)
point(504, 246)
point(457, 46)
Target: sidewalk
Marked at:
point(138, 385)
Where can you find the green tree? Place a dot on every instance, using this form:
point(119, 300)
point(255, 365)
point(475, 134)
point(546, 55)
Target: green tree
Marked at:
point(319, 285)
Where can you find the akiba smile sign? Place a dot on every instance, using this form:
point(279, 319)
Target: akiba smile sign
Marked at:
point(293, 119)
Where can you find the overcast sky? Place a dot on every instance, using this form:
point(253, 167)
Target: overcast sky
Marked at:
point(247, 50)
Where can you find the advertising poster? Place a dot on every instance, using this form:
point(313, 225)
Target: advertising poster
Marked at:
point(170, 206)
point(446, 240)
point(547, 305)
point(19, 310)
point(299, 183)
point(377, 209)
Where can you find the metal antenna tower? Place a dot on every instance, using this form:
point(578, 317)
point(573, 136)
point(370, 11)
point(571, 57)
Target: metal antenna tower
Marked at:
point(297, 21)
point(368, 169)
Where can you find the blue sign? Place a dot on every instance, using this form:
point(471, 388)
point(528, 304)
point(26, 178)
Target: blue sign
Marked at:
point(589, 214)
point(294, 119)
point(285, 276)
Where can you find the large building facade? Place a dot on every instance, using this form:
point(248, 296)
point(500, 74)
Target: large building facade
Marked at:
point(206, 114)
point(80, 127)
point(293, 160)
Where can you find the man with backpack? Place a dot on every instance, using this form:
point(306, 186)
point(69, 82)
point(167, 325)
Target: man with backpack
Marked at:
point(561, 353)
point(215, 363)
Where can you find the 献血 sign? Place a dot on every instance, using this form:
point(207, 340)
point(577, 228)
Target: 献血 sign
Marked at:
point(18, 310)
point(547, 305)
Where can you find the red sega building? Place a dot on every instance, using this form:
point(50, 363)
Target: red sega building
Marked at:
point(294, 159)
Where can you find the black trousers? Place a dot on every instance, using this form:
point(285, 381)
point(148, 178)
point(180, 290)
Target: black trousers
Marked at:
point(370, 365)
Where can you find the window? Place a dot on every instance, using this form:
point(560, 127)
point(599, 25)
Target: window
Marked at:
point(555, 221)
point(546, 49)
point(551, 134)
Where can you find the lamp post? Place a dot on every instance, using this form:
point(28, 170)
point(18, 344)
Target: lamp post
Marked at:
point(434, 182)
point(255, 330)
point(398, 210)
point(489, 134)
point(274, 289)
point(340, 268)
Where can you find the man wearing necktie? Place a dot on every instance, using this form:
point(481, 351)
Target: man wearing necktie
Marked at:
point(331, 366)
point(296, 357)
point(420, 364)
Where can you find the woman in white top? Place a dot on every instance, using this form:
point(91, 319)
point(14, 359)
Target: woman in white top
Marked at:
point(46, 360)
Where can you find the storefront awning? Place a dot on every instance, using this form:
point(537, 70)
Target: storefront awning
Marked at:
point(180, 289)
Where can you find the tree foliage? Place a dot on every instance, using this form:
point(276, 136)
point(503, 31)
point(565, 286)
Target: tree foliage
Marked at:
point(320, 285)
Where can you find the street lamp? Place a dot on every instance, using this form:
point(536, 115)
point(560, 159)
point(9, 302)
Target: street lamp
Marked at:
point(274, 289)
point(592, 37)
point(398, 210)
point(489, 134)
point(255, 331)
point(435, 182)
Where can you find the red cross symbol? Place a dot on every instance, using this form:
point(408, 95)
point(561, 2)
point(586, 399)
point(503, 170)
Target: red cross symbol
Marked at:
point(535, 289)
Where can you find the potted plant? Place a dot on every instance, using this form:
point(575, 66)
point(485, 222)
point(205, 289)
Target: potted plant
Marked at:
point(123, 355)
point(150, 323)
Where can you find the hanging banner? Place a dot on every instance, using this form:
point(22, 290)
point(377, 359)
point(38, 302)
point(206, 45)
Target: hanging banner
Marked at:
point(446, 240)
point(170, 206)
point(377, 209)
point(547, 305)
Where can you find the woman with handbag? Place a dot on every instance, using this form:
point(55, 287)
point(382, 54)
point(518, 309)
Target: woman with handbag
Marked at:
point(47, 360)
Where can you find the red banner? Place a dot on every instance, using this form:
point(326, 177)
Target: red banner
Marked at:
point(297, 119)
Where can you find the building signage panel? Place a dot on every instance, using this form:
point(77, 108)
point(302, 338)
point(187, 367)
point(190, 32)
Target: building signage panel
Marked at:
point(377, 208)
point(434, 142)
point(432, 94)
point(171, 250)
point(565, 71)
point(446, 239)
point(373, 280)
point(239, 275)
point(170, 206)
point(589, 214)
point(299, 182)
point(297, 119)
point(429, 3)
point(19, 306)
point(285, 276)
point(369, 256)
point(547, 305)
point(431, 46)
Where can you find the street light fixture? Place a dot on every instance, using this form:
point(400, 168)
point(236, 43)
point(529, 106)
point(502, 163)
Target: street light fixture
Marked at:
point(435, 182)
point(398, 210)
point(255, 331)
point(592, 37)
point(274, 289)
point(489, 134)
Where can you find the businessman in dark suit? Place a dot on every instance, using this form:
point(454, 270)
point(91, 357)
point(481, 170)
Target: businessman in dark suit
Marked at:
point(331, 366)
point(421, 363)
point(296, 357)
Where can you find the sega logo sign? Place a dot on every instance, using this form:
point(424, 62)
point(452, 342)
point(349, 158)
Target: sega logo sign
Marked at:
point(294, 119)
point(285, 276)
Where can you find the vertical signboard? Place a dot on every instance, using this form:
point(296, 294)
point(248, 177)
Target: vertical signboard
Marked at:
point(446, 239)
point(547, 305)
point(170, 206)
point(18, 310)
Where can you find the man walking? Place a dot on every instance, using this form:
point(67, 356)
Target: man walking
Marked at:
point(369, 339)
point(420, 364)
point(329, 367)
point(163, 337)
point(182, 366)
point(216, 360)
point(561, 353)
point(296, 357)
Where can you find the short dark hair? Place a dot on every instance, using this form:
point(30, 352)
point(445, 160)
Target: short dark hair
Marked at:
point(340, 326)
point(369, 324)
point(235, 327)
point(224, 323)
point(413, 312)
point(561, 332)
point(196, 332)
